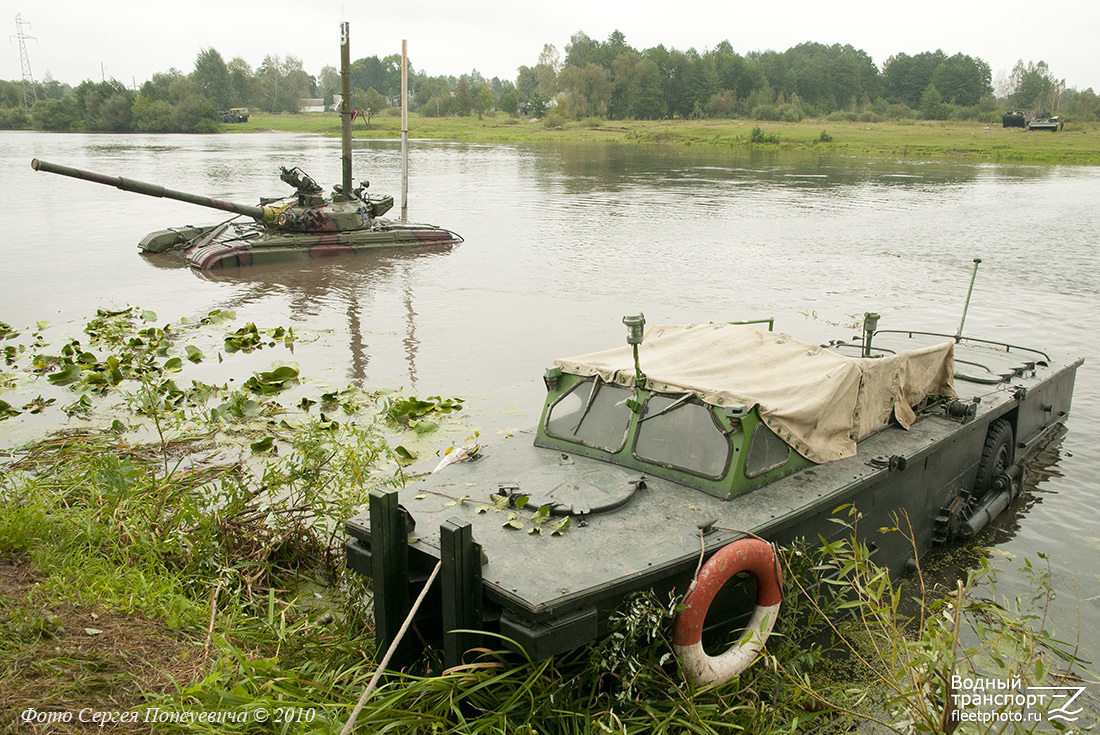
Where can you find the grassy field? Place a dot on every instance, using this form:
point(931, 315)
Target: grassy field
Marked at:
point(1078, 143)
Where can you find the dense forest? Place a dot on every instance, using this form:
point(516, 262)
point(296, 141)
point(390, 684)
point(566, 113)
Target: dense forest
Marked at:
point(595, 79)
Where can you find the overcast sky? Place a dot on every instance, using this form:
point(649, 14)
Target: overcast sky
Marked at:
point(131, 40)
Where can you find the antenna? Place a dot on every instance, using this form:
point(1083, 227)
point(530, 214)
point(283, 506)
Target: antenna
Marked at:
point(30, 94)
point(966, 308)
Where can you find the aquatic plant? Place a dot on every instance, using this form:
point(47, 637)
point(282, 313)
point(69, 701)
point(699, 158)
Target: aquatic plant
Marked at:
point(206, 522)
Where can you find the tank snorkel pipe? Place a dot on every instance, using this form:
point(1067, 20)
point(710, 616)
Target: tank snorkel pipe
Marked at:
point(345, 109)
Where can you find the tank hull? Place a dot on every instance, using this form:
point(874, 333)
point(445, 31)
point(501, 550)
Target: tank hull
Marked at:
point(232, 245)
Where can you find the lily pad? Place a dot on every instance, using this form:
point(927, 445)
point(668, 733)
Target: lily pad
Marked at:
point(267, 444)
point(274, 381)
point(69, 374)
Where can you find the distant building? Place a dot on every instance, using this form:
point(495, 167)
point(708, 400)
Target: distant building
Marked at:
point(312, 105)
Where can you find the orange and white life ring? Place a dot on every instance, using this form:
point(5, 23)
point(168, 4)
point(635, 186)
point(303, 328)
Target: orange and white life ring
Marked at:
point(744, 555)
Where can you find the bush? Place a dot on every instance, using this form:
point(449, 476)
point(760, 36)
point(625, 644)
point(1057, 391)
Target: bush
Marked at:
point(900, 112)
point(722, 104)
point(842, 116)
point(759, 136)
point(553, 120)
point(790, 113)
point(824, 137)
point(765, 112)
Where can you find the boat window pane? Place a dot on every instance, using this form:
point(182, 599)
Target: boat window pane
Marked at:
point(683, 434)
point(766, 452)
point(605, 424)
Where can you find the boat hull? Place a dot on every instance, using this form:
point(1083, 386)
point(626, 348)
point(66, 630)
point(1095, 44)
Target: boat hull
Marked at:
point(551, 595)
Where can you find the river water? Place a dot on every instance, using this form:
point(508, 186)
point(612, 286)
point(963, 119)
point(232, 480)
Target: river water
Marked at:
point(563, 240)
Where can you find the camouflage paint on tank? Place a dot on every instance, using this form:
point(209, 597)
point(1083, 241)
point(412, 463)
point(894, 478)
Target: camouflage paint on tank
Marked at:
point(305, 226)
point(226, 247)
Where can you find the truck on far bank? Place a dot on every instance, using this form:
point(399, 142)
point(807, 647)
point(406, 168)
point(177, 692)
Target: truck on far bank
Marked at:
point(235, 115)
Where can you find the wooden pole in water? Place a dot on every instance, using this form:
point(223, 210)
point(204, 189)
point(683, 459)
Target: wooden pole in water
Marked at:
point(404, 133)
point(345, 108)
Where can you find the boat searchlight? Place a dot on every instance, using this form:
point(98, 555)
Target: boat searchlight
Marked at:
point(635, 330)
point(635, 326)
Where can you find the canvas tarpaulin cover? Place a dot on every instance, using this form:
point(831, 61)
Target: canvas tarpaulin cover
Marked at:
point(817, 400)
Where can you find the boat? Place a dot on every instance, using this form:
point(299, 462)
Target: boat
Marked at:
point(306, 225)
point(677, 461)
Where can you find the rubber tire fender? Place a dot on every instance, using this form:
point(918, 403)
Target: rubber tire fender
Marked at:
point(744, 555)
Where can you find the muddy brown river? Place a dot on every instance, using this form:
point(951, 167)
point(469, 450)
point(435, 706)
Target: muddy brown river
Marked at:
point(563, 240)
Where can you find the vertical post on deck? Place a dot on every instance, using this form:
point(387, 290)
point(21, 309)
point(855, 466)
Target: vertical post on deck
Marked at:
point(461, 581)
point(389, 545)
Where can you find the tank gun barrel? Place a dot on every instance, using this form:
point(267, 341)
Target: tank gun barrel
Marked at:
point(152, 190)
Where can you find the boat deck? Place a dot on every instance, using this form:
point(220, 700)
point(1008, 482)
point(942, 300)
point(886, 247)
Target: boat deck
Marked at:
point(658, 532)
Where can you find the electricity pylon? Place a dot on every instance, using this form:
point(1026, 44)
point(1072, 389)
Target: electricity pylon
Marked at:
point(30, 94)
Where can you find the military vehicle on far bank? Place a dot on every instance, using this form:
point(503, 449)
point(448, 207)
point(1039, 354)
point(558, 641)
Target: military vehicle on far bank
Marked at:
point(235, 115)
point(704, 443)
point(303, 226)
point(1040, 121)
point(1053, 123)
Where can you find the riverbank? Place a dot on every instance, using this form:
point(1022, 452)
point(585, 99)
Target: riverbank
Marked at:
point(171, 561)
point(1077, 144)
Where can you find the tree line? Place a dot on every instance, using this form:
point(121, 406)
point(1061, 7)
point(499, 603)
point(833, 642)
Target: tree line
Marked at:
point(611, 79)
point(169, 102)
point(595, 79)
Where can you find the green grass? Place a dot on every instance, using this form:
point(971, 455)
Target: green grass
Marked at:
point(1078, 143)
point(170, 562)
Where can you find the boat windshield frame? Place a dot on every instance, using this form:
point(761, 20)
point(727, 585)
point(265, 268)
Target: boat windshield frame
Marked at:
point(602, 398)
point(677, 407)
